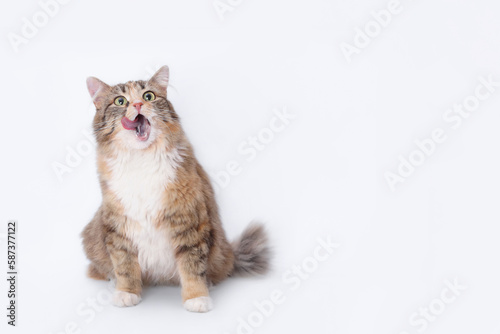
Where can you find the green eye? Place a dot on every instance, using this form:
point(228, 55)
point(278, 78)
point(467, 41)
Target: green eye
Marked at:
point(149, 96)
point(120, 101)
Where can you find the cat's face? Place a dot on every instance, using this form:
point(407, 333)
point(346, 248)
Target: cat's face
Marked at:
point(133, 115)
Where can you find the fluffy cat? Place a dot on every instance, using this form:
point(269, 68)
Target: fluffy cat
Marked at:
point(158, 222)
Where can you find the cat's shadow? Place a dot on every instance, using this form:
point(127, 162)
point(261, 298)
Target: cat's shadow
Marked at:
point(159, 293)
point(220, 293)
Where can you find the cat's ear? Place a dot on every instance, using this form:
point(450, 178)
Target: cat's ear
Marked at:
point(96, 89)
point(161, 77)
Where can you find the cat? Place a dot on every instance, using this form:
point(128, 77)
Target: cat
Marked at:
point(158, 222)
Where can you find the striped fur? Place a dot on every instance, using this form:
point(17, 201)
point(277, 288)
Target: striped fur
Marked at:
point(158, 222)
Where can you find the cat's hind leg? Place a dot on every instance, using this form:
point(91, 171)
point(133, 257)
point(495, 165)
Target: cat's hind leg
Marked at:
point(94, 273)
point(94, 234)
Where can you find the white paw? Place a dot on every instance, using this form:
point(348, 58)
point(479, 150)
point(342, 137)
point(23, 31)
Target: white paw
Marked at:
point(199, 304)
point(122, 299)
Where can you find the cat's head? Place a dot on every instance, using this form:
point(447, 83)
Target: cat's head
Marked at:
point(134, 115)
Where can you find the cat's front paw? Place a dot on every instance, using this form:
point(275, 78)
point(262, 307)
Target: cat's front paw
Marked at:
point(199, 304)
point(123, 299)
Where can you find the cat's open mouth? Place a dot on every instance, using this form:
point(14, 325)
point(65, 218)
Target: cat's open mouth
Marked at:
point(141, 126)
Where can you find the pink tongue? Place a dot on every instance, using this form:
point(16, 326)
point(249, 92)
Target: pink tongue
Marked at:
point(130, 125)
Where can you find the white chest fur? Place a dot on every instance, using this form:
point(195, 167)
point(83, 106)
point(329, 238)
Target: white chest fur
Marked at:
point(139, 180)
point(156, 256)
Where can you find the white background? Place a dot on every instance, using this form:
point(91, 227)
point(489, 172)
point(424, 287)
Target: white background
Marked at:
point(321, 176)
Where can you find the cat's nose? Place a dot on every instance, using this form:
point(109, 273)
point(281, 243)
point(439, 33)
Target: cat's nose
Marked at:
point(137, 106)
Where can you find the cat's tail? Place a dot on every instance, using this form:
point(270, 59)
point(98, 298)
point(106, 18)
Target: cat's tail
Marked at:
point(251, 251)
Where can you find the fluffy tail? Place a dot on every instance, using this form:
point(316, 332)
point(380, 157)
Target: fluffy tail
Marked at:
point(251, 251)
